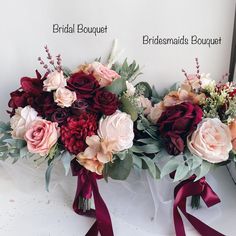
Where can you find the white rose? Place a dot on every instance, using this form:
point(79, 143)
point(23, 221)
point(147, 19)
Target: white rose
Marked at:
point(211, 141)
point(64, 97)
point(130, 89)
point(117, 128)
point(54, 81)
point(21, 120)
point(206, 81)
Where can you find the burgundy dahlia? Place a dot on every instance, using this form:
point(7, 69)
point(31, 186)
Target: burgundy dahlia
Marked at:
point(85, 85)
point(176, 123)
point(105, 102)
point(74, 133)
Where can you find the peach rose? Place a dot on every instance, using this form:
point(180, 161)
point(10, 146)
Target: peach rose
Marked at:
point(103, 74)
point(54, 81)
point(41, 136)
point(232, 127)
point(155, 112)
point(21, 120)
point(96, 154)
point(211, 141)
point(177, 97)
point(64, 97)
point(117, 128)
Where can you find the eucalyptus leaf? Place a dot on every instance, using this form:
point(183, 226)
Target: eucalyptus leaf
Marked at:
point(181, 172)
point(117, 87)
point(143, 88)
point(66, 158)
point(129, 108)
point(203, 170)
point(137, 161)
point(151, 166)
point(120, 169)
point(48, 176)
point(169, 167)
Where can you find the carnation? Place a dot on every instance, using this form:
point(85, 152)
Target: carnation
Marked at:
point(75, 131)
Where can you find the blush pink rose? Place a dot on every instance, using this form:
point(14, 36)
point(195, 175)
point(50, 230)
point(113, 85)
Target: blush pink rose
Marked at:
point(64, 97)
point(103, 74)
point(232, 127)
point(41, 136)
point(211, 141)
point(54, 81)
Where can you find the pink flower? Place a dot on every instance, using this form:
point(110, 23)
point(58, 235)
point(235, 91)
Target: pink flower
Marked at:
point(211, 141)
point(41, 136)
point(155, 112)
point(103, 74)
point(146, 104)
point(232, 127)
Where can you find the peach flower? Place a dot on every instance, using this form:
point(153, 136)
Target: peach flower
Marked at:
point(211, 141)
point(64, 97)
point(96, 154)
point(103, 74)
point(232, 127)
point(177, 97)
point(54, 81)
point(41, 136)
point(155, 112)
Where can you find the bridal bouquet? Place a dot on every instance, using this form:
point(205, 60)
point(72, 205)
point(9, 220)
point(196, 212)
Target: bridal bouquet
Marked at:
point(88, 119)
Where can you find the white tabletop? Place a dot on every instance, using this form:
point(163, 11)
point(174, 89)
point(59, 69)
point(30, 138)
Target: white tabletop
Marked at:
point(26, 207)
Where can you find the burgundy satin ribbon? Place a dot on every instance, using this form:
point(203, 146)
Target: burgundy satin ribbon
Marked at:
point(189, 188)
point(86, 187)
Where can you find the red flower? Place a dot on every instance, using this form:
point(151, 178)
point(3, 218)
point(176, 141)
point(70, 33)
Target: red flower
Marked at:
point(105, 102)
point(74, 133)
point(83, 84)
point(176, 123)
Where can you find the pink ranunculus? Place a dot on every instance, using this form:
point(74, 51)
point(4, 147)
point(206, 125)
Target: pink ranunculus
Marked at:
point(155, 112)
point(41, 136)
point(103, 74)
point(211, 141)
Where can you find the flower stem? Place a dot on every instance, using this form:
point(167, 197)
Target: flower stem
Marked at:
point(84, 204)
point(195, 202)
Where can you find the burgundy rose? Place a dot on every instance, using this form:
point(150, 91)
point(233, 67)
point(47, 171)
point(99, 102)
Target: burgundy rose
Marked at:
point(105, 102)
point(44, 104)
point(32, 86)
point(83, 84)
point(75, 131)
point(79, 106)
point(18, 99)
point(176, 123)
point(60, 115)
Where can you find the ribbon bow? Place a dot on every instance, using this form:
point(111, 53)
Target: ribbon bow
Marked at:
point(189, 188)
point(86, 187)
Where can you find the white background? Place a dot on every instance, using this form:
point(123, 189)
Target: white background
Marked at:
point(26, 26)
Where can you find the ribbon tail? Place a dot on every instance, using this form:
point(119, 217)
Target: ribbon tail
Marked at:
point(93, 230)
point(103, 222)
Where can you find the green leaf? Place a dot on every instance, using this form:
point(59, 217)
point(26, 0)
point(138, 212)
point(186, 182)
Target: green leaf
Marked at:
point(4, 127)
point(129, 108)
point(137, 161)
point(120, 169)
point(151, 166)
point(117, 87)
point(48, 175)
point(149, 149)
point(203, 169)
point(143, 88)
point(147, 141)
point(181, 172)
point(66, 158)
point(169, 167)
point(122, 155)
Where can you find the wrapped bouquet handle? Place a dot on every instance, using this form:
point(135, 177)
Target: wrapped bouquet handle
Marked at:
point(189, 188)
point(86, 187)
